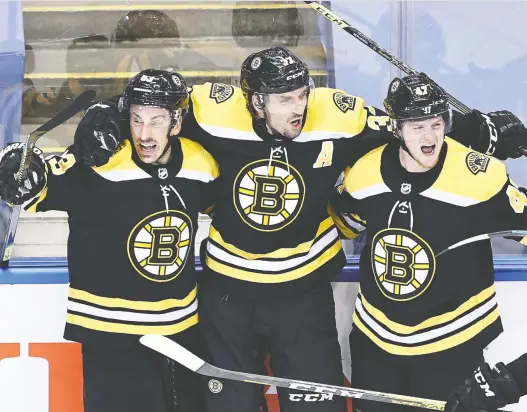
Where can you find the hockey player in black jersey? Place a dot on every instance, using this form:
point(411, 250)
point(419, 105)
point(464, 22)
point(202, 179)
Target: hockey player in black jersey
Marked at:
point(272, 247)
point(131, 246)
point(421, 322)
point(486, 389)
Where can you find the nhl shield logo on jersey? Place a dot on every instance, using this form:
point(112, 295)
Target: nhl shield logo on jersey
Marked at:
point(403, 264)
point(268, 198)
point(344, 101)
point(159, 245)
point(221, 92)
point(477, 162)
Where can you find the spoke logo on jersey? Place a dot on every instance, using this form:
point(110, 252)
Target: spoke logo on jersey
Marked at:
point(159, 245)
point(221, 92)
point(344, 101)
point(477, 162)
point(268, 198)
point(403, 264)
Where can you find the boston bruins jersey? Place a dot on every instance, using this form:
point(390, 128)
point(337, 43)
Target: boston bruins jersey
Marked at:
point(411, 301)
point(131, 241)
point(271, 233)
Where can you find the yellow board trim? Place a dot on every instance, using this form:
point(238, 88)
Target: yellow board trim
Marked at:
point(438, 346)
point(129, 75)
point(279, 253)
point(133, 304)
point(163, 6)
point(256, 277)
point(430, 322)
point(131, 329)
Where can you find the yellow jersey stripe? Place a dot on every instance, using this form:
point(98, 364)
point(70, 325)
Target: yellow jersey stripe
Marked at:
point(112, 327)
point(257, 277)
point(431, 322)
point(166, 304)
point(438, 346)
point(279, 253)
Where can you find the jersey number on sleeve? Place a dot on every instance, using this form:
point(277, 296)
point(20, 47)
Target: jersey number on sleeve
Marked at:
point(60, 164)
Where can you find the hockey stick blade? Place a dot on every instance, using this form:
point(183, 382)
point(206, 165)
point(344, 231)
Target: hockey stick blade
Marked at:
point(485, 236)
point(174, 351)
point(9, 214)
point(328, 14)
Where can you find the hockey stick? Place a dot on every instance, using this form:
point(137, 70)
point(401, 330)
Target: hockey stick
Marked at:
point(328, 14)
point(485, 236)
point(174, 351)
point(10, 220)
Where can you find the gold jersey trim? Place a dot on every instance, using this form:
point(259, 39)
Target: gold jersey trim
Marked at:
point(458, 184)
point(139, 305)
point(282, 265)
point(198, 164)
point(117, 315)
point(230, 119)
point(432, 335)
point(121, 167)
point(364, 179)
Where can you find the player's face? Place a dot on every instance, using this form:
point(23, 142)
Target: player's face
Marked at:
point(424, 140)
point(149, 127)
point(285, 112)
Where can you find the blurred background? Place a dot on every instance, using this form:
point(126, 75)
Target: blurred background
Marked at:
point(51, 51)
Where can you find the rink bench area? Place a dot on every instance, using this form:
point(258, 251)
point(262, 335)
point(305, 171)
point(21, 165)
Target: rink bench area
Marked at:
point(50, 270)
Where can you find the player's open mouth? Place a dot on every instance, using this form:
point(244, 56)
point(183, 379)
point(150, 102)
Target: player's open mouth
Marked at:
point(428, 150)
point(147, 147)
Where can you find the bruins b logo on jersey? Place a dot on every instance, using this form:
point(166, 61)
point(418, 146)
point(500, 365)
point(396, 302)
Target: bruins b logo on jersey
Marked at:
point(221, 92)
point(403, 264)
point(268, 198)
point(159, 245)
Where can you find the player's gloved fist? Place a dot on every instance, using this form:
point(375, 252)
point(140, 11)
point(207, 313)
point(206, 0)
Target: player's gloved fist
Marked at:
point(11, 190)
point(98, 136)
point(501, 132)
point(485, 391)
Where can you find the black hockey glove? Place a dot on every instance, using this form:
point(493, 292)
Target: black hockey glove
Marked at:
point(13, 192)
point(502, 132)
point(98, 134)
point(485, 391)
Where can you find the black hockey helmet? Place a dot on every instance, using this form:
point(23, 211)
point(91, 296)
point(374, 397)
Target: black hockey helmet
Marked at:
point(272, 71)
point(416, 97)
point(157, 88)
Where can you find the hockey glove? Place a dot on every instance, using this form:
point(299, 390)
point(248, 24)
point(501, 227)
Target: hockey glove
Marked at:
point(485, 391)
point(12, 191)
point(502, 132)
point(98, 134)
